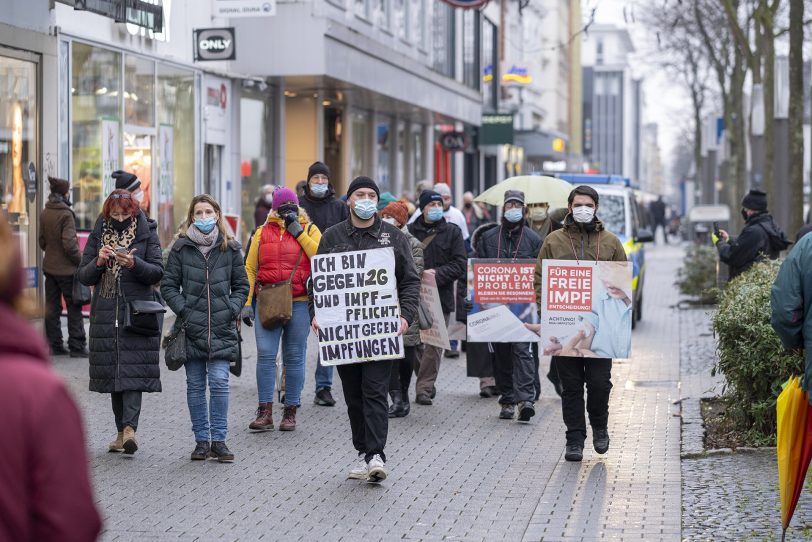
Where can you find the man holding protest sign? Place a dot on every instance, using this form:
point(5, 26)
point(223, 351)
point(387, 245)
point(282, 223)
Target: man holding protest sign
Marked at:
point(364, 345)
point(514, 367)
point(445, 258)
point(583, 238)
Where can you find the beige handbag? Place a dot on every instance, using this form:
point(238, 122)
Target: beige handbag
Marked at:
point(275, 301)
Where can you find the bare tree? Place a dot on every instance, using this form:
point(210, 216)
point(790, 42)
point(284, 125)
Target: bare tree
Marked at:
point(796, 114)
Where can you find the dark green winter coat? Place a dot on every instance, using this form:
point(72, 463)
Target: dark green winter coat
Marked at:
point(208, 295)
point(120, 360)
point(791, 314)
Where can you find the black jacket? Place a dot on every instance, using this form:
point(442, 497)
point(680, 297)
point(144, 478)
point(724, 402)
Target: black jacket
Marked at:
point(445, 254)
point(761, 237)
point(501, 242)
point(119, 360)
point(324, 212)
point(208, 294)
point(344, 237)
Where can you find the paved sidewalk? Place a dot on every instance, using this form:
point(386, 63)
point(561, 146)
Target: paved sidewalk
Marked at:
point(456, 471)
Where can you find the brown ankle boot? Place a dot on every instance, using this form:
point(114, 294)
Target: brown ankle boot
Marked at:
point(288, 422)
point(118, 443)
point(129, 444)
point(264, 421)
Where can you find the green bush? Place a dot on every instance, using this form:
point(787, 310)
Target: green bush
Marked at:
point(697, 277)
point(751, 357)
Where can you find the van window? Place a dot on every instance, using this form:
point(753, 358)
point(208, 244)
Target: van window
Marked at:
point(612, 212)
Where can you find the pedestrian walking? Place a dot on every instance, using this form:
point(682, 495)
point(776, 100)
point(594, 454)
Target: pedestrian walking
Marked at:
point(325, 210)
point(761, 237)
point(657, 209)
point(539, 219)
point(475, 215)
point(444, 256)
point(396, 213)
point(45, 491)
point(263, 205)
point(122, 259)
point(514, 368)
point(281, 251)
point(366, 384)
point(206, 287)
point(583, 237)
point(57, 238)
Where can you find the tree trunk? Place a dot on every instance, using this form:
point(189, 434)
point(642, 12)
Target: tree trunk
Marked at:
point(737, 138)
point(768, 48)
point(796, 117)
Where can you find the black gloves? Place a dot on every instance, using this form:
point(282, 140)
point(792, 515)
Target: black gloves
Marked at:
point(247, 315)
point(292, 224)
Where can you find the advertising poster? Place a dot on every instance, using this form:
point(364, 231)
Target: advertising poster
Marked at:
point(110, 145)
point(166, 182)
point(430, 301)
point(586, 309)
point(356, 301)
point(503, 301)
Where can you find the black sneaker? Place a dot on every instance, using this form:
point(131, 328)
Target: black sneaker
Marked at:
point(600, 440)
point(221, 453)
point(574, 452)
point(201, 451)
point(59, 350)
point(526, 411)
point(83, 353)
point(452, 354)
point(324, 398)
point(507, 412)
point(488, 391)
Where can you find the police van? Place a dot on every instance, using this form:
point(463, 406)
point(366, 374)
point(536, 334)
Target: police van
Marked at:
point(622, 215)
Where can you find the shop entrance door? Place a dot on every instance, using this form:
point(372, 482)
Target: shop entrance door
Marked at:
point(138, 161)
point(21, 177)
point(213, 170)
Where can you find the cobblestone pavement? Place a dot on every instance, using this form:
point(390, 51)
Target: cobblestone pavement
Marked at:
point(456, 471)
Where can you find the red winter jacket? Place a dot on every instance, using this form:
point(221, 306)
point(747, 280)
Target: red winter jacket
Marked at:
point(45, 492)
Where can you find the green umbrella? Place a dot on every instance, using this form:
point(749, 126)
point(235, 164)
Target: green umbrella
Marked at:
point(537, 189)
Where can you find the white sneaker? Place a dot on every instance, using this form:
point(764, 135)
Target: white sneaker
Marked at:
point(359, 471)
point(376, 470)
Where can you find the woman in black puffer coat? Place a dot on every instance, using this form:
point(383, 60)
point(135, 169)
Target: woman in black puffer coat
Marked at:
point(122, 363)
point(206, 286)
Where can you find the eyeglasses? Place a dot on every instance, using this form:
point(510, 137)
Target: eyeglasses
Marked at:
point(121, 196)
point(513, 205)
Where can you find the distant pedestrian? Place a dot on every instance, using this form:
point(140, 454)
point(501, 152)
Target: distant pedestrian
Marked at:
point(396, 214)
point(263, 205)
point(122, 260)
point(657, 209)
point(57, 238)
point(205, 285)
point(761, 237)
point(583, 237)
point(444, 256)
point(514, 368)
point(451, 214)
point(281, 250)
point(45, 490)
point(366, 384)
point(325, 210)
point(539, 219)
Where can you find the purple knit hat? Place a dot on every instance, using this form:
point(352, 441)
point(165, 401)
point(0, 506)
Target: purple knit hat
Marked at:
point(282, 196)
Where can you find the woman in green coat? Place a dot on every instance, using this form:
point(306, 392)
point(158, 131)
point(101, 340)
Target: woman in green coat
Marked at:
point(206, 286)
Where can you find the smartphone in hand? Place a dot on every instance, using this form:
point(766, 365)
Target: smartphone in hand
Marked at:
point(716, 229)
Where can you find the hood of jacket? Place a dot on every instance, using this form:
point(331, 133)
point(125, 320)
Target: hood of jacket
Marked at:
point(480, 231)
point(18, 337)
point(56, 201)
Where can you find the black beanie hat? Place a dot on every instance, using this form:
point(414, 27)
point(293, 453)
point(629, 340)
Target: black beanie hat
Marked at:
point(126, 181)
point(427, 196)
point(59, 186)
point(318, 167)
point(363, 182)
point(755, 200)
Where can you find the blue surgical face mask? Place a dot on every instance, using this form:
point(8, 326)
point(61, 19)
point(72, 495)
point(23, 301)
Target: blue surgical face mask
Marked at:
point(514, 215)
point(365, 208)
point(318, 190)
point(435, 214)
point(205, 225)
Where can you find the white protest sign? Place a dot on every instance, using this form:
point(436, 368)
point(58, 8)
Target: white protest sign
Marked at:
point(430, 300)
point(355, 296)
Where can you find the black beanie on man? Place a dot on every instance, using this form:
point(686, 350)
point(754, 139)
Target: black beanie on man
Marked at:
point(427, 196)
point(316, 168)
point(755, 200)
point(363, 182)
point(126, 181)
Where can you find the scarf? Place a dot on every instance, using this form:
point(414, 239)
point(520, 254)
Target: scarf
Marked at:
point(205, 242)
point(114, 239)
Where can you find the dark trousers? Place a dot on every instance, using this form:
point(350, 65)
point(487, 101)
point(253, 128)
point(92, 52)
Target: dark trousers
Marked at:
point(513, 369)
point(402, 370)
point(126, 408)
point(366, 386)
point(57, 287)
point(574, 372)
point(534, 349)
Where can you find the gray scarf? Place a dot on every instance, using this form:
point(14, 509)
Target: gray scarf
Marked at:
point(205, 241)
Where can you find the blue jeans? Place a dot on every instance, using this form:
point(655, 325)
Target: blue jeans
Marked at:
point(324, 375)
point(209, 421)
point(294, 348)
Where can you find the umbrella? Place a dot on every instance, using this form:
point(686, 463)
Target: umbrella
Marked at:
point(537, 189)
point(794, 446)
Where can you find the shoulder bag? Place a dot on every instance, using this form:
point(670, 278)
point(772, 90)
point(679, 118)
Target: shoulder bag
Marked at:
point(143, 317)
point(80, 294)
point(275, 301)
point(175, 345)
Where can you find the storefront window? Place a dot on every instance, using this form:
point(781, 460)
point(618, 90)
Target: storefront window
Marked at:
point(95, 130)
point(253, 162)
point(139, 91)
point(442, 38)
point(360, 162)
point(176, 147)
point(383, 147)
point(418, 146)
point(470, 48)
point(489, 63)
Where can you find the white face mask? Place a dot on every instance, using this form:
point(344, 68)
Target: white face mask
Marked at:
point(139, 196)
point(538, 213)
point(583, 214)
